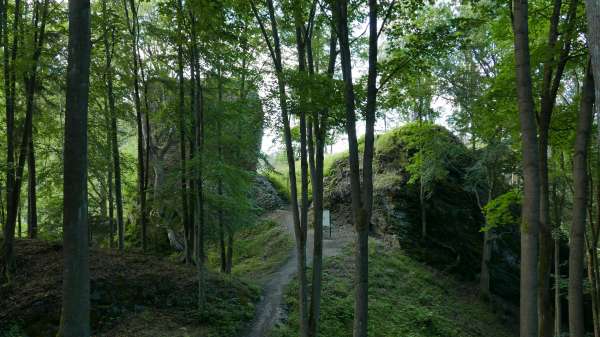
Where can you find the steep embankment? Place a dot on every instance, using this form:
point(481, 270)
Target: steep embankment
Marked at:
point(132, 295)
point(406, 299)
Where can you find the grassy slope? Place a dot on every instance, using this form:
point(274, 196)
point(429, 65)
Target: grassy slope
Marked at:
point(406, 299)
point(258, 251)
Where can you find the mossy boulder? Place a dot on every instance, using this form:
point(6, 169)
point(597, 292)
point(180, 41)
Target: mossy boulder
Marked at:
point(266, 197)
point(453, 238)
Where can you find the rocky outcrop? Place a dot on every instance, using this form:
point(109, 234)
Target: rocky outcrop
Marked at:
point(454, 240)
point(265, 196)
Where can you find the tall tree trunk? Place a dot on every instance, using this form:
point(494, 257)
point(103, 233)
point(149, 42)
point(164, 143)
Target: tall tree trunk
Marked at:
point(111, 201)
point(75, 315)
point(187, 223)
point(275, 52)
point(484, 276)
point(531, 189)
point(198, 162)
point(223, 252)
point(320, 126)
point(109, 47)
point(580, 178)
point(360, 213)
point(229, 263)
point(32, 224)
point(133, 26)
point(557, 304)
point(592, 9)
point(301, 239)
point(19, 220)
point(553, 69)
point(10, 55)
point(27, 146)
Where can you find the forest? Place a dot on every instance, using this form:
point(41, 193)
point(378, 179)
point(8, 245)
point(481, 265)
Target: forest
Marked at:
point(278, 168)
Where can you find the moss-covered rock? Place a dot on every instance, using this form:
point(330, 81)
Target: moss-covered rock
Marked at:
point(265, 196)
point(453, 219)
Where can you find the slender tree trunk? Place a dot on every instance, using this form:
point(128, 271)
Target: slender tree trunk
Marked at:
point(593, 282)
point(422, 207)
point(182, 128)
point(132, 26)
point(301, 239)
point(557, 307)
point(362, 229)
point(219, 178)
point(320, 134)
point(360, 214)
point(19, 220)
point(531, 190)
point(111, 202)
point(592, 9)
point(275, 52)
point(198, 143)
point(10, 55)
point(27, 146)
point(580, 178)
point(484, 279)
point(116, 158)
point(553, 70)
point(32, 224)
point(229, 263)
point(75, 315)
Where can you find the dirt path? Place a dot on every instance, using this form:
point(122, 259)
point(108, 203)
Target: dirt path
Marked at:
point(269, 311)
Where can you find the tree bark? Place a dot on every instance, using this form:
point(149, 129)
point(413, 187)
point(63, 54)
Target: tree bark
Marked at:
point(553, 69)
point(360, 214)
point(531, 189)
point(275, 52)
point(32, 224)
point(132, 26)
point(580, 178)
point(10, 55)
point(114, 143)
point(592, 8)
point(75, 315)
point(111, 201)
point(320, 126)
point(187, 223)
point(198, 144)
point(229, 263)
point(223, 252)
point(557, 304)
point(301, 244)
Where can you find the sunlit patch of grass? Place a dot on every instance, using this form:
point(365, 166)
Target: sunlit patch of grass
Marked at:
point(257, 252)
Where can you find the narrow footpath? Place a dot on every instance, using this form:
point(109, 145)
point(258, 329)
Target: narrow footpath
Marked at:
point(269, 310)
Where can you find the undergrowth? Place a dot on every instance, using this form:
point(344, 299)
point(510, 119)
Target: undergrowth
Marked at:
point(406, 299)
point(257, 252)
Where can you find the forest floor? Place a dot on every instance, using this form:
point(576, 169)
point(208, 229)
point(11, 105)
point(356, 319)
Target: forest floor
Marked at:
point(269, 310)
point(132, 294)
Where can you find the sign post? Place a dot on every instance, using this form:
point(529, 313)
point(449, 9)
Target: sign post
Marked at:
point(327, 220)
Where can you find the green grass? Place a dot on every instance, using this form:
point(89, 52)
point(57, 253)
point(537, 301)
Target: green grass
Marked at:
point(406, 299)
point(330, 160)
point(280, 183)
point(257, 252)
